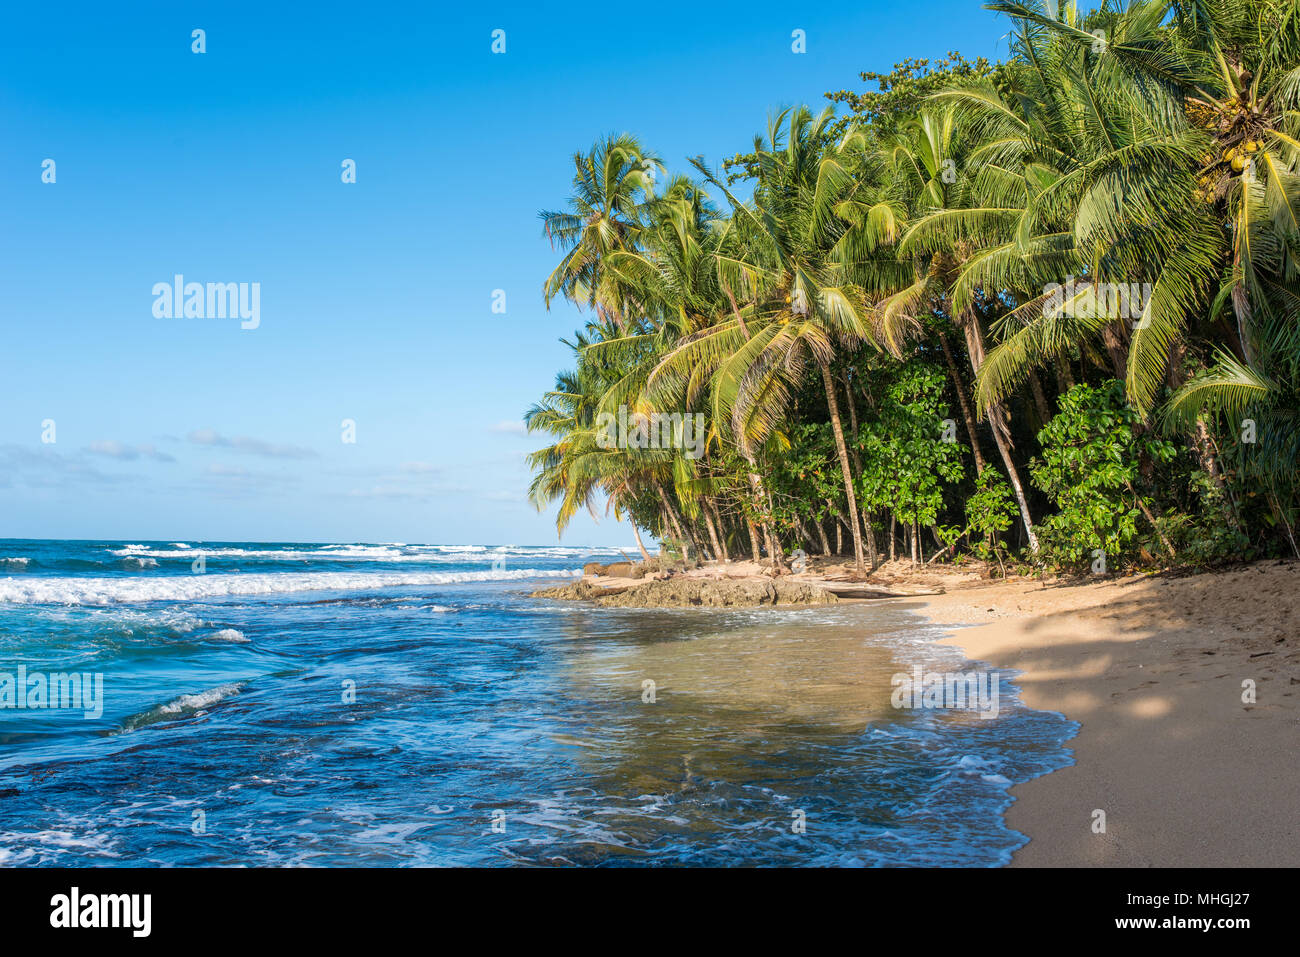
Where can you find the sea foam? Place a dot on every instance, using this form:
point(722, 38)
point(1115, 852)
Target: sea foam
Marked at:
point(107, 591)
point(183, 706)
point(361, 552)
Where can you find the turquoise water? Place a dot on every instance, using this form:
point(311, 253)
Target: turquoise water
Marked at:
point(393, 704)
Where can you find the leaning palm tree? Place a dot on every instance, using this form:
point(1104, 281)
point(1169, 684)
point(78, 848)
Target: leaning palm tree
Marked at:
point(1154, 139)
point(568, 413)
point(581, 465)
point(1182, 147)
point(1249, 103)
point(791, 299)
point(948, 230)
point(1095, 122)
point(612, 183)
point(1079, 165)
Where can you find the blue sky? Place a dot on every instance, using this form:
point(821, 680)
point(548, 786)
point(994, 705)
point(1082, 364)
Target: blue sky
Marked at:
point(375, 296)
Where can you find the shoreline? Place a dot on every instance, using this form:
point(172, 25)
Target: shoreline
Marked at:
point(1152, 669)
point(741, 584)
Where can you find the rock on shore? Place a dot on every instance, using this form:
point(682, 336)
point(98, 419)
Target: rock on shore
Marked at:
point(683, 592)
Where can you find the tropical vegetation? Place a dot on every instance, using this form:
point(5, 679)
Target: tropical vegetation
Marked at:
point(1031, 312)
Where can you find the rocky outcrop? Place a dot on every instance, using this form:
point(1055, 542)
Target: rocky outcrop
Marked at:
point(581, 590)
point(648, 569)
point(681, 592)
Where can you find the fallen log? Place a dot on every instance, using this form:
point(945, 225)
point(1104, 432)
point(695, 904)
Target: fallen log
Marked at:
point(859, 590)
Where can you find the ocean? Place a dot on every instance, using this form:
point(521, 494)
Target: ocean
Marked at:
point(403, 704)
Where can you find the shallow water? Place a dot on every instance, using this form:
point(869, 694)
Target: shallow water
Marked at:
point(488, 728)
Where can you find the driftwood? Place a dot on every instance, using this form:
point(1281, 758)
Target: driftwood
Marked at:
point(841, 589)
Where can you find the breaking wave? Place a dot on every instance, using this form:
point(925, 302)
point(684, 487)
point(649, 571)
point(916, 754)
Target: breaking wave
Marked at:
point(361, 552)
point(108, 591)
point(182, 706)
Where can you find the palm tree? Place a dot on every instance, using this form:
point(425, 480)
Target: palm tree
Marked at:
point(1099, 159)
point(791, 299)
point(949, 229)
point(1184, 173)
point(663, 281)
point(581, 465)
point(611, 185)
point(1153, 145)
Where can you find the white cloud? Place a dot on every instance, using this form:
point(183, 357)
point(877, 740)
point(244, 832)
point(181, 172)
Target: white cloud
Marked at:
point(251, 446)
point(47, 468)
point(111, 448)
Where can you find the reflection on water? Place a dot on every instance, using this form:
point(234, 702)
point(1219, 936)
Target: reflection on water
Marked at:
point(759, 719)
point(750, 676)
point(474, 705)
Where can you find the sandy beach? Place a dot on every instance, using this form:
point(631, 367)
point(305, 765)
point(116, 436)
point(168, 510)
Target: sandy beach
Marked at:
point(1154, 668)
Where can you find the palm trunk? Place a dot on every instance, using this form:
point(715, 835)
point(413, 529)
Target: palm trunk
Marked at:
point(1064, 377)
point(1005, 451)
point(870, 532)
point(966, 415)
point(670, 516)
point(760, 496)
point(1040, 400)
point(829, 384)
point(805, 537)
point(853, 424)
point(776, 548)
point(821, 534)
point(753, 540)
point(713, 532)
point(744, 330)
point(857, 468)
point(1001, 436)
point(709, 555)
point(1204, 447)
point(1115, 349)
point(1276, 506)
point(1152, 519)
point(722, 529)
point(640, 544)
point(1206, 454)
point(683, 532)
